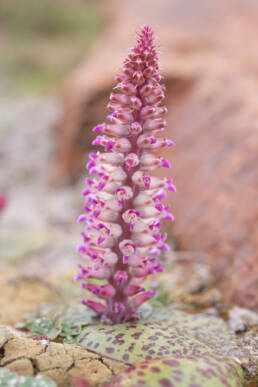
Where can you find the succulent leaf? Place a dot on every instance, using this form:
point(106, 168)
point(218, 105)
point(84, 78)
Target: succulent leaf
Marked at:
point(182, 335)
point(187, 371)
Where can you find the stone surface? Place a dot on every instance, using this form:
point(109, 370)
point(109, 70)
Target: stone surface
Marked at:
point(22, 367)
point(63, 363)
point(21, 295)
point(216, 204)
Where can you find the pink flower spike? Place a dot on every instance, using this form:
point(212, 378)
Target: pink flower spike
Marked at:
point(170, 185)
point(131, 161)
point(155, 226)
point(79, 277)
point(97, 141)
point(124, 201)
point(164, 246)
point(131, 216)
point(100, 240)
point(141, 298)
point(90, 164)
point(81, 250)
point(125, 259)
point(118, 307)
point(98, 129)
point(162, 195)
point(120, 277)
point(127, 247)
point(93, 156)
point(95, 289)
point(131, 290)
point(135, 128)
point(170, 143)
point(95, 306)
point(165, 163)
point(170, 217)
point(110, 145)
point(103, 291)
point(89, 182)
point(146, 181)
point(86, 192)
point(82, 218)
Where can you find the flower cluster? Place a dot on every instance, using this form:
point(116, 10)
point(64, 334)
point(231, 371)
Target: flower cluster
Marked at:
point(123, 206)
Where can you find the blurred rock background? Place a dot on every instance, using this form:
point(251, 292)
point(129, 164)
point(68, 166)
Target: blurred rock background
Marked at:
point(57, 66)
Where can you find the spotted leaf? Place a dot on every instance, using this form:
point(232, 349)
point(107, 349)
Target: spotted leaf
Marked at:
point(210, 330)
point(139, 341)
point(190, 371)
point(148, 340)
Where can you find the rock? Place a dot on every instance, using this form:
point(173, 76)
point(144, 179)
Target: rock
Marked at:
point(22, 367)
point(17, 347)
point(63, 363)
point(241, 319)
point(55, 356)
point(27, 292)
point(216, 135)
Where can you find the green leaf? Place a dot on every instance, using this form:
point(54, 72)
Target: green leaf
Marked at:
point(59, 321)
point(191, 371)
point(139, 341)
point(8, 378)
point(210, 330)
point(181, 334)
point(77, 315)
point(41, 326)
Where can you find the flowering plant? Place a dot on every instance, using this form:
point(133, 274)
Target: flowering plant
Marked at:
point(123, 207)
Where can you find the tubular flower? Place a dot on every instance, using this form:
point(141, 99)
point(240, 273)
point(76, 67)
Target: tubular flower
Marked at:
point(123, 207)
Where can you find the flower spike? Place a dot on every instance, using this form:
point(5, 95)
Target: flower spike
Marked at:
point(123, 203)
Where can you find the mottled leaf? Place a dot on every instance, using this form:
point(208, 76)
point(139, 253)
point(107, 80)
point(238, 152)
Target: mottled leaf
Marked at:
point(210, 330)
point(8, 378)
point(139, 341)
point(181, 335)
point(190, 371)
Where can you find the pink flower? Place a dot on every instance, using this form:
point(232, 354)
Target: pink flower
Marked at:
point(3, 202)
point(123, 207)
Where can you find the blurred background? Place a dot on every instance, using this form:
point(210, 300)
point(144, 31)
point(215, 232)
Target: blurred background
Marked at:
point(58, 59)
